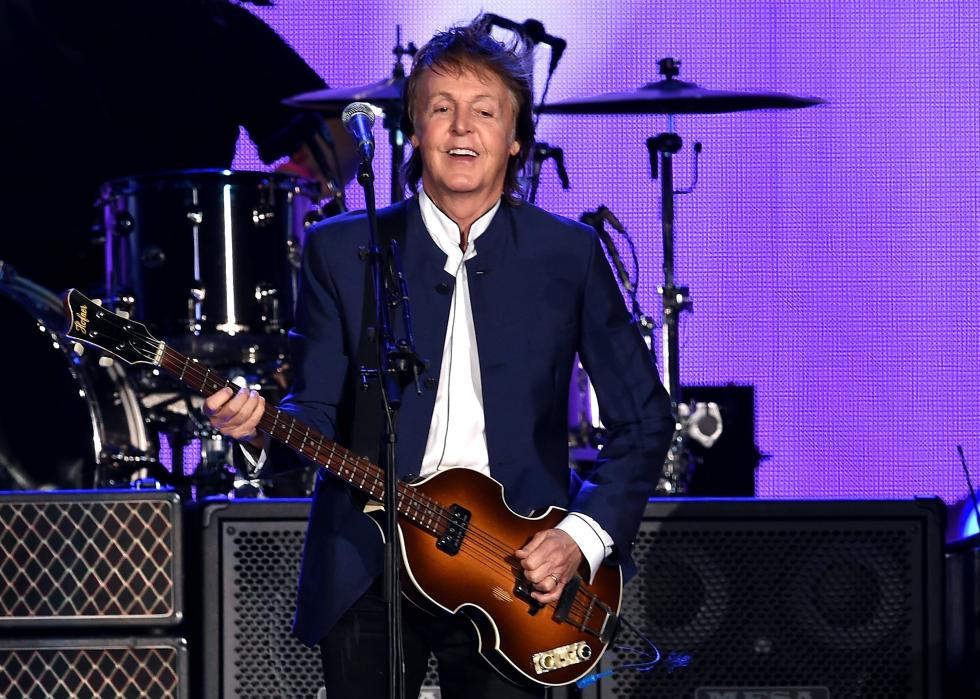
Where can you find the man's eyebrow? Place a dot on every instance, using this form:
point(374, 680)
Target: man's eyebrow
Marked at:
point(446, 95)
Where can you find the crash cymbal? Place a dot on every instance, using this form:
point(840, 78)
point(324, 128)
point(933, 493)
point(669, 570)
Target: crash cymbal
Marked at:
point(672, 96)
point(384, 94)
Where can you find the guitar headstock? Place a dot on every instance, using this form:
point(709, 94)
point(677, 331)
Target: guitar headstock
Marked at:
point(110, 332)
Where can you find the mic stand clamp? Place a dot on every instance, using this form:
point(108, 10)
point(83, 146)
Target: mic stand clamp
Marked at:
point(398, 364)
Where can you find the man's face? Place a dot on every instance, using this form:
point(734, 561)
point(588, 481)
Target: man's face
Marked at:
point(464, 132)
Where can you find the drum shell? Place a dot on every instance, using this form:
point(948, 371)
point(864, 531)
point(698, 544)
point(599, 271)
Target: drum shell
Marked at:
point(207, 251)
point(64, 417)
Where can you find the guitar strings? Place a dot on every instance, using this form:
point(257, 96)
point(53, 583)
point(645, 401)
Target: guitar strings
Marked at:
point(489, 543)
point(369, 474)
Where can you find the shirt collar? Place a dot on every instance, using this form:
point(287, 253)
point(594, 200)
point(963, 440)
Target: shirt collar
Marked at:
point(445, 232)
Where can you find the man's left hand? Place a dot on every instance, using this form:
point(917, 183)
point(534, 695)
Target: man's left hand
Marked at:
point(550, 559)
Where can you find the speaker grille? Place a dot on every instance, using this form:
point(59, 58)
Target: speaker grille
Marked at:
point(85, 668)
point(778, 603)
point(89, 558)
point(260, 569)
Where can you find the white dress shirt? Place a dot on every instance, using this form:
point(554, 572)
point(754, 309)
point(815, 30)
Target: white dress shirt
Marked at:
point(457, 434)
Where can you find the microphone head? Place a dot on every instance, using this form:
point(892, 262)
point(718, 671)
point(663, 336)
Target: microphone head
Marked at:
point(358, 108)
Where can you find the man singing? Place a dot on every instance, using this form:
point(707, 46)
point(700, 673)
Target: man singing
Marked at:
point(504, 295)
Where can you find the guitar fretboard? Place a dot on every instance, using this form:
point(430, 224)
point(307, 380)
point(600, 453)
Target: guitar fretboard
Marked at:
point(359, 472)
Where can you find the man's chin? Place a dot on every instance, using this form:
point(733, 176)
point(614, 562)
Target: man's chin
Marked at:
point(461, 187)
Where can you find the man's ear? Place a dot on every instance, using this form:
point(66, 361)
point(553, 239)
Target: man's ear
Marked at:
point(515, 147)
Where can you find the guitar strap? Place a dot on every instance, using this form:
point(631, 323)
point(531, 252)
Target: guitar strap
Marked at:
point(367, 416)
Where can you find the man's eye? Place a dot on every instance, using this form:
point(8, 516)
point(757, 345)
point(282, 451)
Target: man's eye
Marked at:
point(485, 113)
point(442, 108)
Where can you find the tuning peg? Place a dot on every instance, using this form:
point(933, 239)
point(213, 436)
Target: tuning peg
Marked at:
point(78, 348)
point(122, 314)
point(97, 302)
point(106, 362)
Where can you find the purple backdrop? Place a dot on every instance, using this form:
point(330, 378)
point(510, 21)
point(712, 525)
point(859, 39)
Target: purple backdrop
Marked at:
point(831, 252)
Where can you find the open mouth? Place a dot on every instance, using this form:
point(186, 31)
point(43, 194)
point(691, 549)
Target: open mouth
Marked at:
point(462, 153)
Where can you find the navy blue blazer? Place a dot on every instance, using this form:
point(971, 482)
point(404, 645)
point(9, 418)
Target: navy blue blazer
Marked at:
point(541, 291)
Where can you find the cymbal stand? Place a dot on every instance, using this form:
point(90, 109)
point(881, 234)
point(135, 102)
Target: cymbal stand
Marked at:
point(675, 298)
point(393, 117)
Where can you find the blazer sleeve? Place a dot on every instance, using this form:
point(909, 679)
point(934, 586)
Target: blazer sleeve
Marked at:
point(634, 406)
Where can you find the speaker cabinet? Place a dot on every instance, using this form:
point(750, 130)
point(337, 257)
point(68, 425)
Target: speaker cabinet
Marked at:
point(251, 556)
point(39, 668)
point(835, 599)
point(963, 617)
point(72, 559)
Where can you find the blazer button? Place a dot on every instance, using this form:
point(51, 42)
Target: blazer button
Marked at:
point(431, 383)
point(444, 287)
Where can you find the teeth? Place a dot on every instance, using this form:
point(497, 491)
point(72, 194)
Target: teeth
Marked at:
point(462, 151)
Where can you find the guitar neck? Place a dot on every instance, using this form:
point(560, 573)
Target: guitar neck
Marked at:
point(283, 427)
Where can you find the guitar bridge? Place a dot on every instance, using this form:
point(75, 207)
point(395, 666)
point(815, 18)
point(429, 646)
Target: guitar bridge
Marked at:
point(596, 609)
point(452, 538)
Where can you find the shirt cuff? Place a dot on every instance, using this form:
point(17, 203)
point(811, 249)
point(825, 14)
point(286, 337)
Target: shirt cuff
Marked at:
point(592, 539)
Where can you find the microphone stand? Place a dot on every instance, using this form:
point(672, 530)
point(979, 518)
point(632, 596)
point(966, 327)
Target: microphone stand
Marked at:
point(541, 152)
point(597, 219)
point(397, 361)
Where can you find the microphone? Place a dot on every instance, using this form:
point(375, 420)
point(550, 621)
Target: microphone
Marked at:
point(533, 31)
point(604, 213)
point(358, 118)
point(542, 152)
point(596, 219)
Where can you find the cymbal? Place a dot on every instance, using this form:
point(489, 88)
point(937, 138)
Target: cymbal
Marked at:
point(672, 96)
point(384, 93)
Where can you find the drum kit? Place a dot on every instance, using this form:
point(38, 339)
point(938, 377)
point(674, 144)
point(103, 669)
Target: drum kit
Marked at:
point(209, 259)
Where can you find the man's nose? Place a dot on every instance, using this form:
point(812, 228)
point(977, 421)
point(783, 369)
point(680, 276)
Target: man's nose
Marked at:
point(461, 122)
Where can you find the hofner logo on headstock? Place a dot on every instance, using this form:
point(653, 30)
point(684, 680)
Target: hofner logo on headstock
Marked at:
point(81, 321)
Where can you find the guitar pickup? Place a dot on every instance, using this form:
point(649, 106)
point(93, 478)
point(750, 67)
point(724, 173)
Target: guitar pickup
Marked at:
point(523, 590)
point(452, 538)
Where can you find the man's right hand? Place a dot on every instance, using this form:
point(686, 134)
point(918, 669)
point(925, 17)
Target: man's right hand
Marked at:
point(236, 415)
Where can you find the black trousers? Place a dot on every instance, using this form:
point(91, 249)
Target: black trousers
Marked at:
point(354, 655)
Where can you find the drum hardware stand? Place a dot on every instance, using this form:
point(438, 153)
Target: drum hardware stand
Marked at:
point(589, 434)
point(267, 296)
point(393, 117)
point(542, 152)
point(670, 96)
point(532, 32)
point(676, 299)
